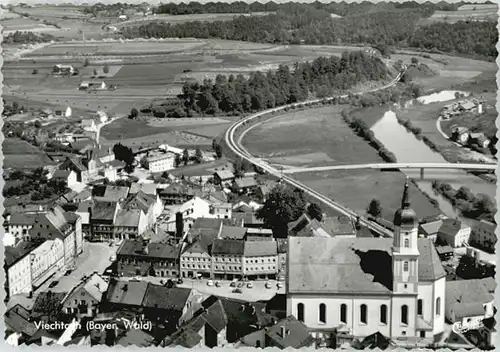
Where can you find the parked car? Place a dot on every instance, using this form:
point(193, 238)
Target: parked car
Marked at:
point(268, 285)
point(170, 283)
point(217, 284)
point(279, 284)
point(53, 284)
point(237, 290)
point(249, 285)
point(180, 281)
point(69, 271)
point(112, 258)
point(210, 283)
point(135, 279)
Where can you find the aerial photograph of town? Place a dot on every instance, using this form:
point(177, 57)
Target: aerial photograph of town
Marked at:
point(250, 174)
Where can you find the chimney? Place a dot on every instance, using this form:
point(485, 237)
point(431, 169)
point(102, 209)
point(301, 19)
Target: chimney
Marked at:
point(179, 225)
point(283, 331)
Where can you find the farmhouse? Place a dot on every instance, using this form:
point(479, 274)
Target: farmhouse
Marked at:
point(159, 163)
point(102, 116)
point(245, 185)
point(460, 134)
point(67, 177)
point(480, 139)
point(223, 177)
point(63, 70)
point(89, 125)
point(92, 85)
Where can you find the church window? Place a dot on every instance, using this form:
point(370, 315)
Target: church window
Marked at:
point(405, 267)
point(407, 243)
point(383, 314)
point(300, 312)
point(438, 306)
point(343, 313)
point(322, 313)
point(363, 317)
point(420, 307)
point(404, 314)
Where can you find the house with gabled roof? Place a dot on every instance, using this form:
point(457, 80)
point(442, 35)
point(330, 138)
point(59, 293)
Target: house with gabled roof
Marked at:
point(160, 259)
point(245, 185)
point(223, 178)
point(66, 177)
point(18, 320)
point(150, 204)
point(47, 306)
point(84, 299)
point(207, 328)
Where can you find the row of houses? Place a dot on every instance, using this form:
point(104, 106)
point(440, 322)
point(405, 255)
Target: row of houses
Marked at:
point(163, 316)
point(456, 233)
point(464, 136)
point(46, 242)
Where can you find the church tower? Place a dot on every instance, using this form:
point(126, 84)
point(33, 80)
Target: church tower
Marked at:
point(405, 248)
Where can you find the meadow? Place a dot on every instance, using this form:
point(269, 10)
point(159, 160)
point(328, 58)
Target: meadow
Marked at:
point(356, 188)
point(312, 137)
point(471, 12)
point(19, 154)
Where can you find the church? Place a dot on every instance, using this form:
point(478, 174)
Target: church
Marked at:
point(366, 285)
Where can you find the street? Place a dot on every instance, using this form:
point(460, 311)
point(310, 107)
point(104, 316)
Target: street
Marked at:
point(95, 257)
point(257, 293)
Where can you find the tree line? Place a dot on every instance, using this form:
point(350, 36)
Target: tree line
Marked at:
point(479, 207)
point(324, 76)
point(366, 24)
point(28, 38)
point(339, 8)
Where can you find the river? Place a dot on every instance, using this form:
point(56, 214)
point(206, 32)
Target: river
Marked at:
point(407, 148)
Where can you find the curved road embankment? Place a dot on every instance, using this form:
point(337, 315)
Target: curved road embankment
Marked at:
point(235, 145)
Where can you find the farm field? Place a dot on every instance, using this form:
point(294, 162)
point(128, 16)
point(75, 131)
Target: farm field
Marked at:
point(19, 154)
point(134, 132)
point(313, 137)
point(11, 25)
point(207, 17)
point(118, 47)
point(449, 70)
point(356, 188)
point(474, 12)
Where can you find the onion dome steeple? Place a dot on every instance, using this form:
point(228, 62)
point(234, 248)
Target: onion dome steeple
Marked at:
point(405, 216)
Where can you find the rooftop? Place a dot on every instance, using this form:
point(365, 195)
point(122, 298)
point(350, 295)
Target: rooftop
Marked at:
point(48, 302)
point(116, 193)
point(104, 210)
point(245, 182)
point(260, 248)
point(295, 334)
point(127, 292)
point(346, 265)
point(451, 227)
point(27, 219)
point(155, 250)
point(13, 254)
point(161, 297)
point(128, 217)
point(224, 174)
point(228, 247)
point(233, 232)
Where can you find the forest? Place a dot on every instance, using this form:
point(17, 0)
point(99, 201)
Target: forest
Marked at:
point(395, 25)
point(231, 94)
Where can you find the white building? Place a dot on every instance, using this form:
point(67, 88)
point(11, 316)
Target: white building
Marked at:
point(102, 116)
point(160, 163)
point(19, 224)
point(222, 210)
point(46, 260)
point(454, 233)
point(190, 210)
point(392, 286)
point(89, 125)
point(483, 234)
point(17, 266)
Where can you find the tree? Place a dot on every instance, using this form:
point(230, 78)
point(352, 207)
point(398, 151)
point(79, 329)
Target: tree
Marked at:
point(105, 69)
point(185, 156)
point(314, 211)
point(35, 71)
point(95, 72)
point(374, 208)
point(133, 113)
point(86, 63)
point(38, 124)
point(177, 160)
point(283, 205)
point(199, 155)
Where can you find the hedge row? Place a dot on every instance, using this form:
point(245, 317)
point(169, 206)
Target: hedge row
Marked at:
point(361, 129)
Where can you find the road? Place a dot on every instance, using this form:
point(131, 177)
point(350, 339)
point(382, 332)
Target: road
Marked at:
point(257, 293)
point(235, 145)
point(477, 166)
